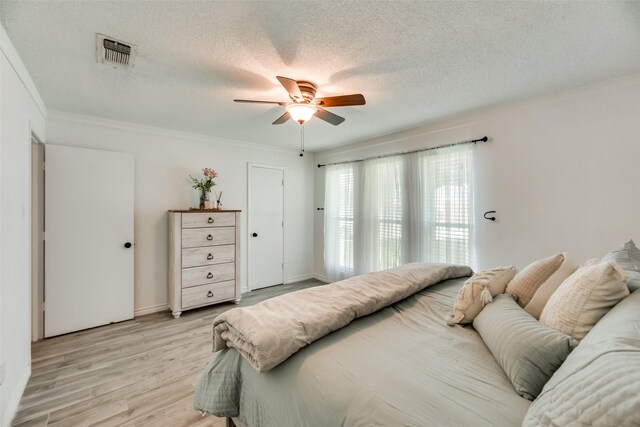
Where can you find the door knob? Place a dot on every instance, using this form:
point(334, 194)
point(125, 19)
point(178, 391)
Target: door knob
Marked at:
point(255, 234)
point(127, 245)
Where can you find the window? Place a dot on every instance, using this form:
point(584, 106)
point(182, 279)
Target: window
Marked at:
point(385, 212)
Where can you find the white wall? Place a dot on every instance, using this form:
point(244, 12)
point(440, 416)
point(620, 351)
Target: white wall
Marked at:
point(21, 112)
point(163, 161)
point(562, 172)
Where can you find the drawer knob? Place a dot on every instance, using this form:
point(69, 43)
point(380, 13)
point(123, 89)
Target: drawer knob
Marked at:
point(210, 256)
point(209, 294)
point(210, 220)
point(209, 237)
point(210, 276)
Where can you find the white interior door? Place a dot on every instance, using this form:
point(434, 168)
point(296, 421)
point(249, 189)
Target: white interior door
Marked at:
point(88, 238)
point(266, 226)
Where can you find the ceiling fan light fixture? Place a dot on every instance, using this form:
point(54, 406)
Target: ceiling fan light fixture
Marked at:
point(301, 113)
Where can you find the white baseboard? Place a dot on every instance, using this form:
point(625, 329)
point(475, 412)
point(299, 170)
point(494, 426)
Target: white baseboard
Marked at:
point(321, 278)
point(149, 310)
point(295, 279)
point(14, 401)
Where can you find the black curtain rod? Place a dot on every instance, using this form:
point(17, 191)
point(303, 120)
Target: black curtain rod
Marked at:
point(471, 141)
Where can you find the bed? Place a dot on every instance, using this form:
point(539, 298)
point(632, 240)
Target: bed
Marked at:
point(402, 366)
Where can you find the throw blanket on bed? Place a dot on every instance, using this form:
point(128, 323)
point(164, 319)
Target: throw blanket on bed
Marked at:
point(268, 333)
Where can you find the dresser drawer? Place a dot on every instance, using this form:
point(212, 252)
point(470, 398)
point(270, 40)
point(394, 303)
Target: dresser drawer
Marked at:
point(194, 257)
point(195, 276)
point(197, 237)
point(213, 219)
point(207, 294)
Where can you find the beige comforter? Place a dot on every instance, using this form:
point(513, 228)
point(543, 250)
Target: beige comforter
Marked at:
point(268, 333)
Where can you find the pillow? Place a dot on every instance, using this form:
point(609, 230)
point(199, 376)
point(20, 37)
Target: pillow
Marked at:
point(478, 291)
point(545, 290)
point(627, 256)
point(584, 298)
point(633, 280)
point(598, 383)
point(527, 282)
point(528, 352)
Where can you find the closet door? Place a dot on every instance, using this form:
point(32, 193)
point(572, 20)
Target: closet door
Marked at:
point(88, 238)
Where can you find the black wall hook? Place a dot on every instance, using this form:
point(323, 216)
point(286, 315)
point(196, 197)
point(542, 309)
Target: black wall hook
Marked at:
point(490, 218)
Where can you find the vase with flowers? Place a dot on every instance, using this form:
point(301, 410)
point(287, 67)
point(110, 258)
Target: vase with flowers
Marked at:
point(204, 186)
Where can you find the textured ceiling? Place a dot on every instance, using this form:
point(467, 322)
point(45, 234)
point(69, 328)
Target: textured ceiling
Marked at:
point(415, 62)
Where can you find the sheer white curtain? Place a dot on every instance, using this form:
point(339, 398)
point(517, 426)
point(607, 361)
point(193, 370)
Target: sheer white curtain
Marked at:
point(445, 193)
point(378, 214)
point(338, 221)
point(363, 219)
point(385, 212)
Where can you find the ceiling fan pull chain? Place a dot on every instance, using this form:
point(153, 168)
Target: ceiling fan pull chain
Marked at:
point(301, 140)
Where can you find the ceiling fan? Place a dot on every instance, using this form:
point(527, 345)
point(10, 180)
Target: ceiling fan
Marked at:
point(305, 105)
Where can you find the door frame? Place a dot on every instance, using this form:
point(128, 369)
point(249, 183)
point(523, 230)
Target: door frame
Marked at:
point(251, 165)
point(37, 177)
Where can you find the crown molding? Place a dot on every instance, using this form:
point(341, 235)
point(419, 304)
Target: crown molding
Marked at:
point(9, 51)
point(485, 114)
point(56, 115)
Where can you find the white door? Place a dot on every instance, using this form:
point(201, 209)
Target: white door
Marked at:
point(266, 226)
point(88, 238)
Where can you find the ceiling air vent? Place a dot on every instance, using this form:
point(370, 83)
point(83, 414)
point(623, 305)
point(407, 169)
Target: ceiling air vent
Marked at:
point(115, 52)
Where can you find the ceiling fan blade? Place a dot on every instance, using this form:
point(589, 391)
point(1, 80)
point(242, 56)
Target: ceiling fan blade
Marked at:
point(341, 101)
point(291, 86)
point(260, 102)
point(283, 118)
point(334, 119)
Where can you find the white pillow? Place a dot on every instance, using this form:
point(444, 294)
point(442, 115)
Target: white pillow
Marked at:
point(584, 297)
point(478, 291)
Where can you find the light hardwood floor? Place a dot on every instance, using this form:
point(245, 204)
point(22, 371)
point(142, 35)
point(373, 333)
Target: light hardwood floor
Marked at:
point(140, 372)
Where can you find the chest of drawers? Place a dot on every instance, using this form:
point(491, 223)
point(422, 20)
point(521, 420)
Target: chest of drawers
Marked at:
point(204, 258)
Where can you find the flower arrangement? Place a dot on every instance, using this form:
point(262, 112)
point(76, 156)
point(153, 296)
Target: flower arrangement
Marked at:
point(204, 186)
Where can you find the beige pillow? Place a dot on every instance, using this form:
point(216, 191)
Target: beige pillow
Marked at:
point(545, 290)
point(478, 291)
point(584, 297)
point(527, 282)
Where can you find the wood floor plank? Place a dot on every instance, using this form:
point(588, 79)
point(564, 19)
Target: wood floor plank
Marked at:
point(93, 416)
point(36, 422)
point(141, 372)
point(32, 399)
point(121, 394)
point(121, 382)
point(51, 405)
point(151, 401)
